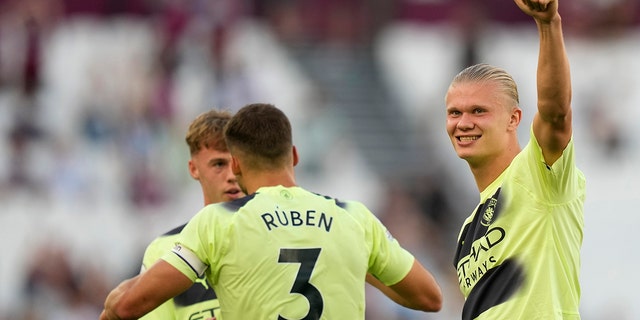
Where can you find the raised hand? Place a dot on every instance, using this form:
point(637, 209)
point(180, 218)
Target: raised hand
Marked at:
point(540, 10)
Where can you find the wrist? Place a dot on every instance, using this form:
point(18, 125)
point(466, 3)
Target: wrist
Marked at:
point(108, 314)
point(555, 20)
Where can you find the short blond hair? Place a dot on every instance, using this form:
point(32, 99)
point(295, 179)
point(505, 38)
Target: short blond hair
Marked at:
point(207, 131)
point(486, 72)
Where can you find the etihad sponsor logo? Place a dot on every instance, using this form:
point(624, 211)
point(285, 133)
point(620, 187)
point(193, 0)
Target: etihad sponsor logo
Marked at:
point(473, 266)
point(204, 314)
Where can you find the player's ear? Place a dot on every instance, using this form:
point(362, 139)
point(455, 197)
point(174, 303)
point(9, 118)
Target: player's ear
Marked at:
point(295, 156)
point(516, 116)
point(193, 171)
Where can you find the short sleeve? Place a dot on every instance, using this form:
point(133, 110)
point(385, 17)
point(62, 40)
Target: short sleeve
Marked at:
point(388, 262)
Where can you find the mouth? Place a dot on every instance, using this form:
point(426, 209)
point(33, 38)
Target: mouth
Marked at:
point(234, 193)
point(467, 138)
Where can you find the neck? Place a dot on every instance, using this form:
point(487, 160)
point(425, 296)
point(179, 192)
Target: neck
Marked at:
point(256, 180)
point(488, 171)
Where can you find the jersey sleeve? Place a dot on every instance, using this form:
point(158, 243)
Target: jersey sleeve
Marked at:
point(154, 251)
point(388, 262)
point(197, 246)
point(559, 181)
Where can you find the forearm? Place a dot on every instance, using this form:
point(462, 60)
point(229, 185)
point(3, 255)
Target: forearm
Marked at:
point(123, 303)
point(135, 297)
point(553, 77)
point(394, 296)
point(418, 290)
point(114, 298)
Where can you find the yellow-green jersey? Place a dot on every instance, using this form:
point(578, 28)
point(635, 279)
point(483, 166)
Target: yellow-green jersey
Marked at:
point(198, 302)
point(287, 253)
point(518, 254)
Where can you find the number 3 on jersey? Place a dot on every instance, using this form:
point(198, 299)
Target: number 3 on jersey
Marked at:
point(307, 259)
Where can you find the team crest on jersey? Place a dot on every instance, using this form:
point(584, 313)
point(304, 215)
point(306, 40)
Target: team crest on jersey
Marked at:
point(286, 194)
point(487, 215)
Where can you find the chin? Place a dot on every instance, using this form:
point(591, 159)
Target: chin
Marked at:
point(466, 157)
point(463, 155)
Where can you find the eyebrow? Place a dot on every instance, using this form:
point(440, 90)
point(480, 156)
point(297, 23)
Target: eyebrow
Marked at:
point(214, 160)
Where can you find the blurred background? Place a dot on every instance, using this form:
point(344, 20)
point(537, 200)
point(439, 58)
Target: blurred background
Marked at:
point(96, 97)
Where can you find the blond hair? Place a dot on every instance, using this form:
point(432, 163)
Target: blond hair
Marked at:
point(485, 72)
point(206, 131)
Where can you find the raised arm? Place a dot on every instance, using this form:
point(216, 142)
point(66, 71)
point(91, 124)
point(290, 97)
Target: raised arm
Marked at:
point(137, 296)
point(552, 122)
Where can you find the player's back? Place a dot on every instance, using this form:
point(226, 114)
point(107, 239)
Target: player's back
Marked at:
point(286, 252)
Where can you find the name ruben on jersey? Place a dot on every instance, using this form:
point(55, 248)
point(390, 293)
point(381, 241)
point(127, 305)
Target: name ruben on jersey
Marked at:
point(293, 218)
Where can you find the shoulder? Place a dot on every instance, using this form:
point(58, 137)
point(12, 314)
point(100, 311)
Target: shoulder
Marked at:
point(174, 231)
point(339, 203)
point(237, 204)
point(160, 245)
point(553, 182)
point(532, 158)
point(166, 237)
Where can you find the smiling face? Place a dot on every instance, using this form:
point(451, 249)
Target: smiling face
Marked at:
point(212, 168)
point(481, 121)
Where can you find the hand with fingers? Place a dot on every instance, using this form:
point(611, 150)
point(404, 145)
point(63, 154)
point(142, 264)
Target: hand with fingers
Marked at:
point(540, 10)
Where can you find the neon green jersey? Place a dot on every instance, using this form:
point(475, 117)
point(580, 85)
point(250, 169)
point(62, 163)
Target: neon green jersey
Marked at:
point(287, 253)
point(198, 302)
point(518, 254)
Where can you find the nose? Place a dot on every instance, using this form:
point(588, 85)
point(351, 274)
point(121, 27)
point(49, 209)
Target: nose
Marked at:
point(231, 177)
point(465, 122)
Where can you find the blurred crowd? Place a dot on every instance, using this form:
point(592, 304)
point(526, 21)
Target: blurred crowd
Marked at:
point(95, 97)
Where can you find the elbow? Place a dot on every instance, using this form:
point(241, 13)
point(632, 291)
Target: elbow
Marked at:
point(435, 305)
point(432, 303)
point(428, 301)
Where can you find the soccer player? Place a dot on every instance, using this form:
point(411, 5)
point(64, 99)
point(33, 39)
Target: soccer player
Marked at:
point(518, 254)
point(281, 252)
point(210, 164)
